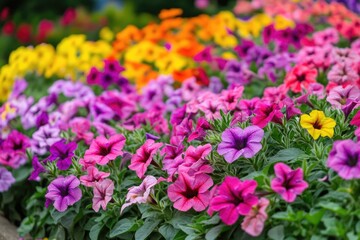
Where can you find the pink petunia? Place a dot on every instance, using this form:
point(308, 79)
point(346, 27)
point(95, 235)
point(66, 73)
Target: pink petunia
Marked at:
point(143, 157)
point(93, 176)
point(234, 198)
point(288, 183)
point(265, 113)
point(342, 72)
point(103, 150)
point(81, 127)
point(339, 95)
point(190, 192)
point(103, 192)
point(253, 223)
point(140, 194)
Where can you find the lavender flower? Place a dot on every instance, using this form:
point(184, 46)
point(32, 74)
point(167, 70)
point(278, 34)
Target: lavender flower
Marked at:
point(238, 142)
point(344, 158)
point(63, 192)
point(44, 138)
point(6, 179)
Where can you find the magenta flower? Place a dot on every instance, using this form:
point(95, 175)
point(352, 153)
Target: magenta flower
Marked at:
point(103, 150)
point(288, 183)
point(63, 192)
point(234, 198)
point(140, 194)
point(103, 192)
point(37, 169)
point(265, 113)
point(344, 158)
point(81, 127)
point(63, 153)
point(253, 223)
point(190, 192)
point(143, 157)
point(200, 130)
point(16, 142)
point(6, 179)
point(356, 119)
point(93, 176)
point(237, 142)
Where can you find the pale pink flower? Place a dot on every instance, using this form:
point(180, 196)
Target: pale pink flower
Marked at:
point(93, 176)
point(140, 194)
point(253, 223)
point(339, 95)
point(103, 192)
point(342, 73)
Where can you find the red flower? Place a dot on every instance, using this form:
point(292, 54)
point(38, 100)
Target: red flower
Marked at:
point(8, 28)
point(24, 33)
point(44, 29)
point(68, 17)
point(300, 78)
point(4, 13)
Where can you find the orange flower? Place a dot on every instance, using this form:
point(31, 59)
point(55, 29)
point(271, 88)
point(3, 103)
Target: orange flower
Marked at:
point(170, 13)
point(181, 76)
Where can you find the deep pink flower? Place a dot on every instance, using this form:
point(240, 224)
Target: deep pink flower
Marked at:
point(234, 198)
point(265, 113)
point(190, 192)
point(140, 194)
point(93, 176)
point(103, 150)
point(103, 192)
point(356, 119)
point(231, 97)
point(200, 130)
point(81, 127)
point(143, 157)
point(204, 55)
point(288, 183)
point(249, 106)
point(253, 223)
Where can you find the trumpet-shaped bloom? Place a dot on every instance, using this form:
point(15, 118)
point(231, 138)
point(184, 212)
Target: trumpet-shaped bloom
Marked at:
point(317, 124)
point(63, 192)
point(238, 142)
point(143, 157)
point(190, 192)
point(103, 192)
point(234, 198)
point(300, 78)
point(93, 176)
point(37, 169)
point(265, 113)
point(103, 150)
point(141, 193)
point(63, 153)
point(288, 183)
point(253, 223)
point(344, 158)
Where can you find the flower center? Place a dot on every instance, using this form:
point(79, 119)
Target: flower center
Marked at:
point(317, 125)
point(301, 78)
point(240, 143)
point(352, 161)
point(190, 193)
point(105, 151)
point(64, 191)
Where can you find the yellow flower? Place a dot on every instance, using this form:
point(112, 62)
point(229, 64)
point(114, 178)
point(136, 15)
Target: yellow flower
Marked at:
point(8, 110)
point(318, 124)
point(281, 22)
point(106, 34)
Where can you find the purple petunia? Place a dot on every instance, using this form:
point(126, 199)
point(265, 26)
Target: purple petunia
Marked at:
point(63, 192)
point(6, 179)
point(238, 142)
point(344, 158)
point(63, 153)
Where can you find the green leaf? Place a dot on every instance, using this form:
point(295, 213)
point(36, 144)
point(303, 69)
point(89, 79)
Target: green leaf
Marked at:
point(282, 216)
point(26, 226)
point(334, 207)
point(68, 220)
point(214, 232)
point(122, 226)
point(286, 155)
point(145, 230)
point(276, 233)
point(95, 231)
point(22, 173)
point(168, 231)
point(57, 215)
point(315, 217)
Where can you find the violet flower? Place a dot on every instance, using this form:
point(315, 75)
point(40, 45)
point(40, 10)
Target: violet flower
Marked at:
point(63, 153)
point(63, 192)
point(37, 169)
point(237, 142)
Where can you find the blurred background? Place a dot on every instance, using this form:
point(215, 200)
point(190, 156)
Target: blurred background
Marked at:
point(24, 22)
